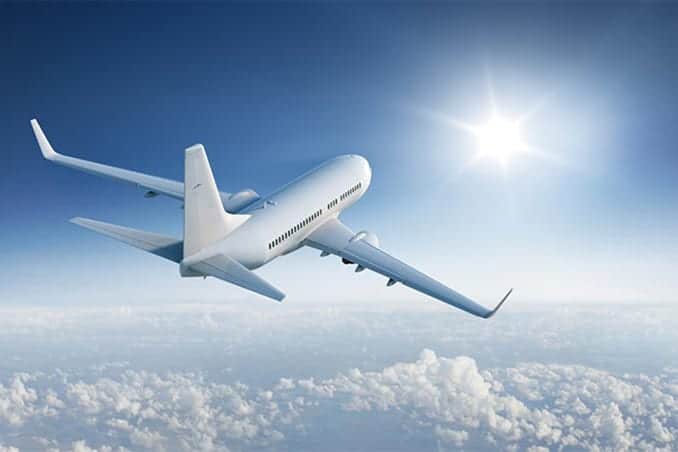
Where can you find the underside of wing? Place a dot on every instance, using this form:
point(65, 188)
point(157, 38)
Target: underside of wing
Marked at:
point(233, 202)
point(336, 238)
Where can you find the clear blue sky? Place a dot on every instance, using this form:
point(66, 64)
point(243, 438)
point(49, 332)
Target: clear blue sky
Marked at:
point(272, 90)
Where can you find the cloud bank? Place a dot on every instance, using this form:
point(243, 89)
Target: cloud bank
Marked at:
point(451, 400)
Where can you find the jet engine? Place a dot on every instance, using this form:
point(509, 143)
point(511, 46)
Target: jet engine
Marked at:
point(368, 237)
point(236, 201)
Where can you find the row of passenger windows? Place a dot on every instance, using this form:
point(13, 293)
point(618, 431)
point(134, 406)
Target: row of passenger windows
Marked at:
point(351, 190)
point(302, 224)
point(296, 228)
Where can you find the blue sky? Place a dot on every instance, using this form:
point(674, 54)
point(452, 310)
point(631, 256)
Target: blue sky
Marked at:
point(107, 349)
point(272, 90)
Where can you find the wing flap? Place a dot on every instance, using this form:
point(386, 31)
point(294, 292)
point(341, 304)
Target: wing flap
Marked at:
point(227, 269)
point(334, 237)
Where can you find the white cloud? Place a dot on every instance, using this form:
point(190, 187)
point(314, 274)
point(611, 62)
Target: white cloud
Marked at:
point(17, 402)
point(454, 400)
point(82, 446)
point(455, 437)
point(8, 448)
point(147, 410)
point(531, 406)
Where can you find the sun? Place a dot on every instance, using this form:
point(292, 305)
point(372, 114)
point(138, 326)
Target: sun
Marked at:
point(498, 139)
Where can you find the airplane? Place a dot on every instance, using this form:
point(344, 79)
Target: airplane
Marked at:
point(228, 235)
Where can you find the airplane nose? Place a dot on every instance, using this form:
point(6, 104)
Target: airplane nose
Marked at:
point(361, 162)
point(367, 169)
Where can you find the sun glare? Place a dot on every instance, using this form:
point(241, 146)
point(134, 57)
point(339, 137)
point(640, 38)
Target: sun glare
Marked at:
point(499, 139)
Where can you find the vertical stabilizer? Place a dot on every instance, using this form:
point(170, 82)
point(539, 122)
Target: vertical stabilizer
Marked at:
point(205, 220)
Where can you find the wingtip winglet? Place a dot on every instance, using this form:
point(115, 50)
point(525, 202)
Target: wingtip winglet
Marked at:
point(494, 311)
point(79, 220)
point(45, 147)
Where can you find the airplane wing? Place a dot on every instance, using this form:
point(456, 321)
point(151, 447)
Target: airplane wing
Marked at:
point(233, 203)
point(334, 237)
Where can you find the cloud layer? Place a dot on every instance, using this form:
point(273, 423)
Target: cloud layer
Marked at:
point(450, 400)
point(530, 405)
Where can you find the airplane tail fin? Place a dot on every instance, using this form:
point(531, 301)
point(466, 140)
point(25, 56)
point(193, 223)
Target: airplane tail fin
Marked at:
point(205, 220)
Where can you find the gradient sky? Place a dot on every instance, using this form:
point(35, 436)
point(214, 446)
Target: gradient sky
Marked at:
point(272, 90)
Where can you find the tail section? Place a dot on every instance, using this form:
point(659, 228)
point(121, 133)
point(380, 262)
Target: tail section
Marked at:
point(223, 267)
point(205, 220)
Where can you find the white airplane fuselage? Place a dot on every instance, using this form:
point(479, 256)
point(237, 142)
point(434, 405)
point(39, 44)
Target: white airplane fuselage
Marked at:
point(280, 222)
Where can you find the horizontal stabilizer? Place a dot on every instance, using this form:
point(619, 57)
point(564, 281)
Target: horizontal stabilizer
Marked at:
point(160, 245)
point(227, 269)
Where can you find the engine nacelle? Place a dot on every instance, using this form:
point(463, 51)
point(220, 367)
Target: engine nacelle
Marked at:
point(368, 237)
point(236, 201)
